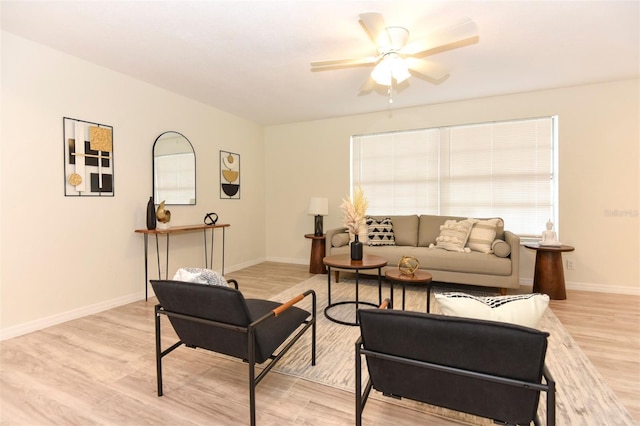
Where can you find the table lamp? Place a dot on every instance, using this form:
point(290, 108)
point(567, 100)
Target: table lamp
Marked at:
point(318, 207)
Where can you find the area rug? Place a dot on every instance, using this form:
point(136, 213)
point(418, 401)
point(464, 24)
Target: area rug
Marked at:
point(582, 396)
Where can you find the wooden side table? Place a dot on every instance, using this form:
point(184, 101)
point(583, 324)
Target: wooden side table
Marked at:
point(418, 277)
point(548, 277)
point(316, 266)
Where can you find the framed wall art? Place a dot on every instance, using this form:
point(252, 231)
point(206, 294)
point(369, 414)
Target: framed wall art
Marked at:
point(88, 158)
point(229, 175)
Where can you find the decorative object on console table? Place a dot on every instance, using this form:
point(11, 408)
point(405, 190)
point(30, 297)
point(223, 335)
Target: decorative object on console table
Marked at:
point(88, 158)
point(319, 207)
point(229, 175)
point(151, 214)
point(164, 217)
point(210, 218)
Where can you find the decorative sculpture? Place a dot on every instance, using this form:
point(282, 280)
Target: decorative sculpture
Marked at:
point(549, 236)
point(408, 265)
point(164, 216)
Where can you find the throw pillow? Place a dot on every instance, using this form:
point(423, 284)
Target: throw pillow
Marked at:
point(339, 240)
point(453, 235)
point(482, 234)
point(380, 232)
point(501, 248)
point(521, 309)
point(200, 276)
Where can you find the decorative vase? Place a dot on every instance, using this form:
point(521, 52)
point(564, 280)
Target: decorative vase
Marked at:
point(356, 248)
point(151, 215)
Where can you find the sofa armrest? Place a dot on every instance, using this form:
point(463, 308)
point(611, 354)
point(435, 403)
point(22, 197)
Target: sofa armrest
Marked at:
point(329, 236)
point(514, 243)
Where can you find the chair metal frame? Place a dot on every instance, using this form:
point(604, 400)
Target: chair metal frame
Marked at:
point(362, 395)
point(250, 332)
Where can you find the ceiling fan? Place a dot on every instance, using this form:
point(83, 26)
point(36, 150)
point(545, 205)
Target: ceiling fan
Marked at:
point(395, 59)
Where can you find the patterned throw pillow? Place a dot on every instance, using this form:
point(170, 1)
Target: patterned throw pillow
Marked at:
point(200, 276)
point(521, 309)
point(482, 234)
point(380, 232)
point(453, 235)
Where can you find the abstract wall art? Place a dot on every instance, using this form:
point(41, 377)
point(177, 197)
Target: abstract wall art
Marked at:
point(88, 158)
point(229, 175)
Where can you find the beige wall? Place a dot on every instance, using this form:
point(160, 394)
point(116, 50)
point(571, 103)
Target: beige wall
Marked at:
point(63, 257)
point(598, 156)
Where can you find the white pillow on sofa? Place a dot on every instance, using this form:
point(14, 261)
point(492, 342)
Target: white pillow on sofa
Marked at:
point(482, 234)
point(453, 235)
point(521, 309)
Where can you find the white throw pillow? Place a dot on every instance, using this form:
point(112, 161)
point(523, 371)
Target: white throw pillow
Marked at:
point(200, 276)
point(453, 235)
point(521, 309)
point(482, 234)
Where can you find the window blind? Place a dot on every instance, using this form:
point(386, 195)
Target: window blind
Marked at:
point(498, 169)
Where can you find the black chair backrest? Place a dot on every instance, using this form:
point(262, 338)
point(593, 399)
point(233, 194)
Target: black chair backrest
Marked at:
point(222, 304)
point(499, 349)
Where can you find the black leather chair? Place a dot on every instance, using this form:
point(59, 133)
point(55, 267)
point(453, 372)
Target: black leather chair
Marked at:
point(485, 368)
point(221, 320)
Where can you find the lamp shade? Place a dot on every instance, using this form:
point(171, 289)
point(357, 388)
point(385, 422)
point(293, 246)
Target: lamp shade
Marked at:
point(391, 67)
point(319, 206)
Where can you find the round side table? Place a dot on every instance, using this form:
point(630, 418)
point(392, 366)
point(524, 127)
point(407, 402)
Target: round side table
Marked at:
point(317, 253)
point(418, 277)
point(548, 277)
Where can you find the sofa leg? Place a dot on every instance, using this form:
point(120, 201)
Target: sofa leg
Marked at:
point(503, 291)
point(337, 275)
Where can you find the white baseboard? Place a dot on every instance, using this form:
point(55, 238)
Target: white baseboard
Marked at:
point(594, 287)
point(39, 324)
point(291, 260)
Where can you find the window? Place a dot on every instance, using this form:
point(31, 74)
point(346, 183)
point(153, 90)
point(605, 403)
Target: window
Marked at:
point(500, 169)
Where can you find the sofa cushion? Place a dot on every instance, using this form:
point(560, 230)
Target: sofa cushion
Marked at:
point(405, 229)
point(501, 248)
point(339, 240)
point(380, 232)
point(521, 309)
point(482, 234)
point(453, 235)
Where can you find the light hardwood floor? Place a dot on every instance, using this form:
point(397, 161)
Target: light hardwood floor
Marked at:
point(100, 369)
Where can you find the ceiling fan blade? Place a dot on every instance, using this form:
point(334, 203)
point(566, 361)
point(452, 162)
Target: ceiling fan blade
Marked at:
point(461, 34)
point(428, 69)
point(373, 23)
point(345, 62)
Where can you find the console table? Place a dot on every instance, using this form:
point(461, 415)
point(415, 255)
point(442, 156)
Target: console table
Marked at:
point(208, 258)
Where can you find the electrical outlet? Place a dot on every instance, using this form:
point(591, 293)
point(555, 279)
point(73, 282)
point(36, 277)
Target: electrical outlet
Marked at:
point(570, 264)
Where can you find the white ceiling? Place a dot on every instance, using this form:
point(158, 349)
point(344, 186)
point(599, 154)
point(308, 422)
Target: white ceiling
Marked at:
point(251, 58)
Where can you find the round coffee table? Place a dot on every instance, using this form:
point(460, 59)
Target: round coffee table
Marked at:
point(418, 277)
point(343, 261)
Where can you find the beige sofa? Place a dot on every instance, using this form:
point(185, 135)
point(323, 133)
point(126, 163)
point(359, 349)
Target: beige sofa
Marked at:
point(415, 234)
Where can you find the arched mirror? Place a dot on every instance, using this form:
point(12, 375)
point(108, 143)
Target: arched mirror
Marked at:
point(174, 169)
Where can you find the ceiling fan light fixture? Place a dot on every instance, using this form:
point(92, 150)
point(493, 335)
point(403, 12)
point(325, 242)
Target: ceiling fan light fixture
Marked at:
point(391, 67)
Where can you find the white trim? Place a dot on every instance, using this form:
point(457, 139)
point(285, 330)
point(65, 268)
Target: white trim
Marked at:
point(39, 324)
point(593, 287)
